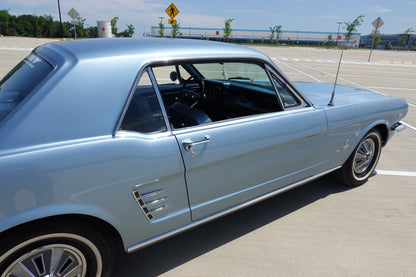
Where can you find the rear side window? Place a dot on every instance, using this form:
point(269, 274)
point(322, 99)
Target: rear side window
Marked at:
point(144, 114)
point(19, 82)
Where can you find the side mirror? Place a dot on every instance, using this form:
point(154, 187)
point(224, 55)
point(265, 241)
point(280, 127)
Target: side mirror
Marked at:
point(174, 76)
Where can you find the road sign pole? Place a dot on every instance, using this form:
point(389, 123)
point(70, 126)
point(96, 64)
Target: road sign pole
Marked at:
point(60, 20)
point(377, 24)
point(74, 15)
point(372, 45)
point(75, 31)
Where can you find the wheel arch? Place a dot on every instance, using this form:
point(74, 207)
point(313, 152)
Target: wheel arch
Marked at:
point(384, 132)
point(92, 222)
point(380, 126)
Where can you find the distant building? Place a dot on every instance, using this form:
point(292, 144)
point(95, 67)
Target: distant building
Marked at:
point(391, 41)
point(260, 36)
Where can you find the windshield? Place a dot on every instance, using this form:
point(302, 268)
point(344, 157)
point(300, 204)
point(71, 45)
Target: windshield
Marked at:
point(20, 81)
point(235, 71)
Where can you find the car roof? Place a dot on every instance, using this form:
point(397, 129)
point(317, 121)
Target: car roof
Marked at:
point(151, 48)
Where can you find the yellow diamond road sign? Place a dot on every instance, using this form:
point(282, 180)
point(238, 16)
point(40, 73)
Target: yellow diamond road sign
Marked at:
point(172, 11)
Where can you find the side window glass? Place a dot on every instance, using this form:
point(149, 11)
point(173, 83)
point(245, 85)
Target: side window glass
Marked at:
point(216, 91)
point(287, 97)
point(144, 114)
point(170, 75)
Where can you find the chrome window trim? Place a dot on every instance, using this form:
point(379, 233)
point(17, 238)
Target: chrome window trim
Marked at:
point(280, 76)
point(127, 103)
point(159, 98)
point(270, 71)
point(137, 135)
point(276, 91)
point(238, 120)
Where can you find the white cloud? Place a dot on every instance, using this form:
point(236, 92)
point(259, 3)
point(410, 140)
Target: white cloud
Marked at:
point(27, 3)
point(199, 20)
point(331, 17)
point(380, 9)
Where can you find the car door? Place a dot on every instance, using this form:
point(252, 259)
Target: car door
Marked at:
point(233, 160)
point(236, 161)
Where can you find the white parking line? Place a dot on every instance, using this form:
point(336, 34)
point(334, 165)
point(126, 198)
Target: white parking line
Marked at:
point(297, 70)
point(14, 48)
point(379, 63)
point(409, 126)
point(393, 88)
point(340, 78)
point(351, 82)
point(396, 173)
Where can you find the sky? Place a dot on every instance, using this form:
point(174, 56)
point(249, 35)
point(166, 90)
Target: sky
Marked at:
point(293, 15)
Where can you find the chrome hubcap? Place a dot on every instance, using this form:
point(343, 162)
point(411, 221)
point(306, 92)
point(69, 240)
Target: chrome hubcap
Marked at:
point(51, 260)
point(364, 156)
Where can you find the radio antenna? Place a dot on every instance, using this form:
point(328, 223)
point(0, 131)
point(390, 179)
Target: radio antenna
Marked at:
point(331, 102)
point(351, 28)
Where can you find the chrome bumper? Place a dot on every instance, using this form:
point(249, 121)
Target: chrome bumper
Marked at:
point(398, 127)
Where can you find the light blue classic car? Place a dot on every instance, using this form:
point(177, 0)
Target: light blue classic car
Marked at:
point(113, 144)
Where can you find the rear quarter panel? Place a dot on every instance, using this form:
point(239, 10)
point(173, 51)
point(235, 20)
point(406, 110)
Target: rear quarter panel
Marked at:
point(95, 178)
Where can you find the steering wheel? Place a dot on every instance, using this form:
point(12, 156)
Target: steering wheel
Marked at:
point(192, 95)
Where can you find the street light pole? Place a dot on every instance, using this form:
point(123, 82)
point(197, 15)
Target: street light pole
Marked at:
point(60, 19)
point(339, 25)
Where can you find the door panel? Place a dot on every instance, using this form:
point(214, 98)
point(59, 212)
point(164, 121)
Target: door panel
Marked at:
point(234, 161)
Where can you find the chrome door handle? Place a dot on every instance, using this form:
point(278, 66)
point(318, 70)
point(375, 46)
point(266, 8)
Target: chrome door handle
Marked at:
point(188, 144)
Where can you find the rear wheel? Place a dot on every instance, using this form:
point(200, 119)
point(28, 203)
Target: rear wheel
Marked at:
point(61, 251)
point(362, 162)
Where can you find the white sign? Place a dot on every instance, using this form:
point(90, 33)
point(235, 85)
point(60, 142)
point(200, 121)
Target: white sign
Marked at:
point(73, 14)
point(378, 23)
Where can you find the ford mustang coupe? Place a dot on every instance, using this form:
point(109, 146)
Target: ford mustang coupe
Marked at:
point(118, 143)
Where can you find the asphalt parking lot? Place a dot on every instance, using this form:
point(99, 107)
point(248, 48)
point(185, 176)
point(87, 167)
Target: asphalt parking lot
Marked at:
point(321, 228)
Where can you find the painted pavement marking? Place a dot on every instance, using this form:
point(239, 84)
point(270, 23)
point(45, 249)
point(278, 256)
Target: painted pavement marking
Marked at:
point(396, 173)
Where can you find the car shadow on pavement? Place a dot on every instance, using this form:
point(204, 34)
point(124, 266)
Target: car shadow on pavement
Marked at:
point(172, 252)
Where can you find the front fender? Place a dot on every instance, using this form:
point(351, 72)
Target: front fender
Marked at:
point(62, 210)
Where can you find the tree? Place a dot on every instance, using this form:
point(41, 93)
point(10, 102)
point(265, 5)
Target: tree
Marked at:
point(4, 22)
point(67, 27)
point(31, 25)
point(330, 40)
point(275, 30)
point(91, 32)
point(227, 28)
point(48, 25)
point(113, 24)
point(130, 29)
point(278, 30)
point(26, 25)
point(162, 29)
point(129, 32)
point(175, 30)
point(80, 27)
point(376, 40)
point(272, 30)
point(405, 37)
point(351, 27)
